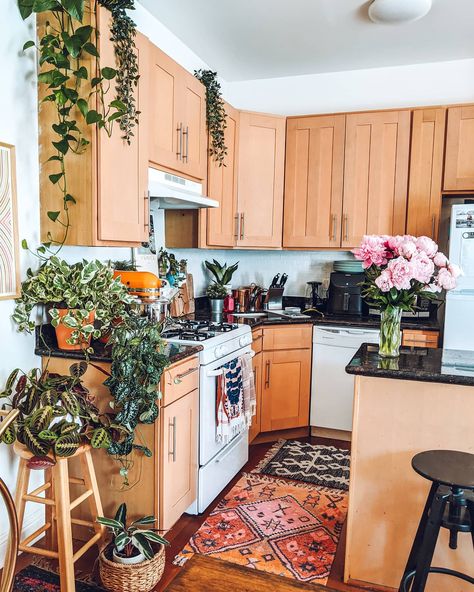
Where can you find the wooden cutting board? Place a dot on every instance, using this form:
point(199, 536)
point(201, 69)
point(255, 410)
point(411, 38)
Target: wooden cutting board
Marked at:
point(183, 303)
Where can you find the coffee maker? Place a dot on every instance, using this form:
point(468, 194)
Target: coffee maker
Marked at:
point(314, 301)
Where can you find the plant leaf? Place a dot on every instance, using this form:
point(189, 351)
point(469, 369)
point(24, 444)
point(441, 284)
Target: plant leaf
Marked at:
point(75, 8)
point(25, 7)
point(28, 44)
point(53, 216)
point(121, 515)
point(109, 73)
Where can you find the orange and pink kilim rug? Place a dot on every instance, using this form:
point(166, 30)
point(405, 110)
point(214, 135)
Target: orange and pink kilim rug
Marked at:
point(276, 526)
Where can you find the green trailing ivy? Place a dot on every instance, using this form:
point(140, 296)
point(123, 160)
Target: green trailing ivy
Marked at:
point(82, 288)
point(215, 114)
point(123, 33)
point(138, 361)
point(78, 93)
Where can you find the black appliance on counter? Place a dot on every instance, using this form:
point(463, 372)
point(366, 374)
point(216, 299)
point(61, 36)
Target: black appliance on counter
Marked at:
point(345, 295)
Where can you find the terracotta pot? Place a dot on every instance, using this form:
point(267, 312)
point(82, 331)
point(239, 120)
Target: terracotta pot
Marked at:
point(63, 333)
point(105, 338)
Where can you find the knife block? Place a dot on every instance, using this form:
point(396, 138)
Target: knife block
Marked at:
point(274, 299)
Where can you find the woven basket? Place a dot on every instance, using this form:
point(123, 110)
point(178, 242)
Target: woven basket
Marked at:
point(141, 577)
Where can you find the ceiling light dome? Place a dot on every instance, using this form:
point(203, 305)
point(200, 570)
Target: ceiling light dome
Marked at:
point(398, 11)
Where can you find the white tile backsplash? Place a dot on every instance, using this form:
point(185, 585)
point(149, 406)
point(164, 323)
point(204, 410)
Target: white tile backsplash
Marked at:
point(261, 266)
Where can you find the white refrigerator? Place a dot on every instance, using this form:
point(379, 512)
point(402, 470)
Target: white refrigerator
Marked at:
point(459, 318)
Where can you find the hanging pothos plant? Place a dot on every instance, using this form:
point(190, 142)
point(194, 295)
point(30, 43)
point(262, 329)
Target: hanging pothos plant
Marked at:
point(78, 92)
point(123, 33)
point(215, 114)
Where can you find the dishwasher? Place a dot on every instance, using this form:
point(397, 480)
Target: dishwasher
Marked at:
point(332, 389)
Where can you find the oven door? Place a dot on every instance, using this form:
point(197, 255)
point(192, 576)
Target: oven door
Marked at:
point(208, 447)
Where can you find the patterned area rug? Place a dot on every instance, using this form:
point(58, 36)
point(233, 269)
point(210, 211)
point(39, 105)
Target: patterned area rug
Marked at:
point(288, 529)
point(35, 579)
point(321, 465)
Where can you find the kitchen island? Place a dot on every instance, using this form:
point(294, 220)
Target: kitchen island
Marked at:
point(423, 400)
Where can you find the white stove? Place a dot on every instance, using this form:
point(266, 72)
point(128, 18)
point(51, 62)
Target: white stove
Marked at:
point(222, 342)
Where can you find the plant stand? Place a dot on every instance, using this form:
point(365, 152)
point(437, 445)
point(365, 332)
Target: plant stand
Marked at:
point(59, 522)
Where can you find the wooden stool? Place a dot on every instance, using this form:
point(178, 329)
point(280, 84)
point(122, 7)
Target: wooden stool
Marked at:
point(59, 518)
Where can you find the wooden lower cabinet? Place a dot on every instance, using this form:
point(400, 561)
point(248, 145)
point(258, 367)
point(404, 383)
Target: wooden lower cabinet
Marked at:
point(256, 420)
point(178, 458)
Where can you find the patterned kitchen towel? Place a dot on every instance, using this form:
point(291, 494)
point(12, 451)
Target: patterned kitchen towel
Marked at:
point(230, 415)
point(248, 383)
point(313, 463)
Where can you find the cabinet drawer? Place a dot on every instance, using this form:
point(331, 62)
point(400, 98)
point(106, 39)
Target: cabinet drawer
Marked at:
point(418, 338)
point(257, 340)
point(287, 337)
point(180, 379)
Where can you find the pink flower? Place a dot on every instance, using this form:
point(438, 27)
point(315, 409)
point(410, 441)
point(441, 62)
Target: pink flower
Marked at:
point(422, 267)
point(372, 251)
point(427, 245)
point(407, 247)
point(454, 270)
point(431, 288)
point(440, 259)
point(446, 279)
point(401, 273)
point(384, 281)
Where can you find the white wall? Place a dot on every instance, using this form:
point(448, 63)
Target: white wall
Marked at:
point(377, 88)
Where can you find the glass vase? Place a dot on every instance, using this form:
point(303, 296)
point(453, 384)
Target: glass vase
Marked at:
point(390, 332)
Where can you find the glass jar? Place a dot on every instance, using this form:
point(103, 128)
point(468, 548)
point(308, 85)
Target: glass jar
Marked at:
point(390, 332)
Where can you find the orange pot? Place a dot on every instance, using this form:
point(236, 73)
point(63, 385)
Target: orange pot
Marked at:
point(64, 333)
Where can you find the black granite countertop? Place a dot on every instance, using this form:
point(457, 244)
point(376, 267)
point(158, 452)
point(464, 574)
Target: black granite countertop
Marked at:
point(47, 346)
point(421, 364)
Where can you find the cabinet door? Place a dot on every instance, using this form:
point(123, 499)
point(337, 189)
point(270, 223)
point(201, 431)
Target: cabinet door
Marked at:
point(178, 487)
point(192, 116)
point(375, 174)
point(459, 163)
point(426, 171)
point(313, 181)
point(256, 420)
point(122, 208)
point(260, 180)
point(286, 389)
point(166, 140)
point(222, 186)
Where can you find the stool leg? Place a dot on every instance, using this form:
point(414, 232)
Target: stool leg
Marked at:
point(415, 549)
point(51, 535)
point(64, 529)
point(429, 540)
point(90, 480)
point(470, 507)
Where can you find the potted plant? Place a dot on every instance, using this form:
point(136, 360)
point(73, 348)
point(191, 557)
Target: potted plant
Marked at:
point(135, 559)
point(56, 414)
point(216, 293)
point(397, 270)
point(83, 299)
point(222, 274)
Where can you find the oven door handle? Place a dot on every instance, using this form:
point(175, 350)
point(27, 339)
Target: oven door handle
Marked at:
point(220, 371)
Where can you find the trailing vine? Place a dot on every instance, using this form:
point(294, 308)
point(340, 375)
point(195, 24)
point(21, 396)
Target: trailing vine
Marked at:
point(215, 114)
point(63, 48)
point(123, 33)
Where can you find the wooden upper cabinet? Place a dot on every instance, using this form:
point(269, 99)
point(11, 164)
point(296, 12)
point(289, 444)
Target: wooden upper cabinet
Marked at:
point(178, 136)
point(426, 172)
point(260, 180)
point(314, 181)
point(110, 179)
point(222, 186)
point(459, 163)
point(375, 174)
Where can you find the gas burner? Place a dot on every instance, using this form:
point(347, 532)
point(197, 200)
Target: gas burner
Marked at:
point(194, 336)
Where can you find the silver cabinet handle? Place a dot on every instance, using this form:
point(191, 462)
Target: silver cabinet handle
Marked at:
point(186, 144)
point(146, 205)
point(334, 225)
point(179, 130)
point(267, 372)
point(178, 379)
point(346, 227)
point(433, 225)
point(237, 226)
point(242, 218)
point(172, 426)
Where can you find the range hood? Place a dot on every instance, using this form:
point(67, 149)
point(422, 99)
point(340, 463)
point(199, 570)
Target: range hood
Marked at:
point(177, 193)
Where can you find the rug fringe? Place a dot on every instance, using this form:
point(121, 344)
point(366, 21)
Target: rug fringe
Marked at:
point(269, 455)
point(291, 482)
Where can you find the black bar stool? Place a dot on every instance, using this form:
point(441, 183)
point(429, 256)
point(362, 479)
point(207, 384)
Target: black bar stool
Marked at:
point(450, 505)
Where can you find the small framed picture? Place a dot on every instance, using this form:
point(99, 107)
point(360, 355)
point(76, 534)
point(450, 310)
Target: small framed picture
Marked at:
point(9, 248)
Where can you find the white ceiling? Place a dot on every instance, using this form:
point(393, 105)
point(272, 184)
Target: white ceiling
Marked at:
point(250, 39)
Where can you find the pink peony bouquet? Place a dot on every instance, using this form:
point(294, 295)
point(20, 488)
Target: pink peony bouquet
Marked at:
point(399, 268)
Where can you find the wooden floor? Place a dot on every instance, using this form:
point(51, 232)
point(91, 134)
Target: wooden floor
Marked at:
point(188, 525)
